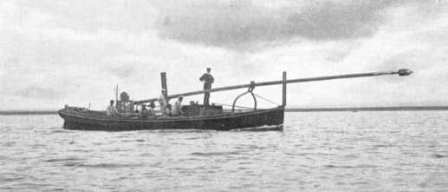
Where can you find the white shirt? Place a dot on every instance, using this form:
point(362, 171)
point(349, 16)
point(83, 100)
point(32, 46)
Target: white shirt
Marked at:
point(111, 110)
point(177, 108)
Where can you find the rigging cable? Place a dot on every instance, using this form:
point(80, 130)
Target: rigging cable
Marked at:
point(243, 107)
point(265, 99)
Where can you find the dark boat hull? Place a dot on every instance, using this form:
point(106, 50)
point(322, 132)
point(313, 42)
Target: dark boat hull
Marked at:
point(89, 120)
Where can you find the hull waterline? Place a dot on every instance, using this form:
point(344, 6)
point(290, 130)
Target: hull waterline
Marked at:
point(90, 120)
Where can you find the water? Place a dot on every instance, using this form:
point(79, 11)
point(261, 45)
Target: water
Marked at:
point(343, 151)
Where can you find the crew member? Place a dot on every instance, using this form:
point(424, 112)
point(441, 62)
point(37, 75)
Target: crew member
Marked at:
point(177, 110)
point(152, 105)
point(208, 79)
point(145, 112)
point(111, 110)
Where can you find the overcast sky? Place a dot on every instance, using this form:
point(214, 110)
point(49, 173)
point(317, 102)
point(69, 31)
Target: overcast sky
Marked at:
point(56, 52)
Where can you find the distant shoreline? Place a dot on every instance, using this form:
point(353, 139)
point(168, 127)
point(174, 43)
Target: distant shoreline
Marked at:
point(311, 109)
point(29, 112)
point(356, 109)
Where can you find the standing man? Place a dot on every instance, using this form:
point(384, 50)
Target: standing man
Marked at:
point(207, 78)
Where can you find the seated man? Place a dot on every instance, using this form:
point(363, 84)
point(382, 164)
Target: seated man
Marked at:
point(145, 112)
point(168, 110)
point(111, 110)
point(177, 110)
point(151, 109)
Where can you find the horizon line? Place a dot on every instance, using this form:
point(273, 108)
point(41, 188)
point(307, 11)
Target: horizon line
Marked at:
point(287, 109)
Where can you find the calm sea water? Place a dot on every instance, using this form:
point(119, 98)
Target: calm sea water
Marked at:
point(337, 151)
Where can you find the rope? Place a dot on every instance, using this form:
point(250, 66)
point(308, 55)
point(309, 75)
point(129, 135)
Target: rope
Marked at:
point(265, 99)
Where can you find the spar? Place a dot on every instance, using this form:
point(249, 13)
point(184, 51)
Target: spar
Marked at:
point(400, 72)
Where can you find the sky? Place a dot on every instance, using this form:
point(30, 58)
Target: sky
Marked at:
point(74, 52)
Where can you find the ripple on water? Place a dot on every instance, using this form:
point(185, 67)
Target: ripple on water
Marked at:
point(81, 150)
point(361, 166)
point(69, 159)
point(3, 157)
point(438, 156)
point(193, 138)
point(57, 130)
point(103, 165)
point(9, 144)
point(10, 177)
point(382, 146)
point(206, 154)
point(132, 140)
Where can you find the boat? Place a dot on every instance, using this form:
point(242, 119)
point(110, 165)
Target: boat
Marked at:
point(197, 116)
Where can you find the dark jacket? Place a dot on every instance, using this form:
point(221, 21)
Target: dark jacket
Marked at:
point(208, 80)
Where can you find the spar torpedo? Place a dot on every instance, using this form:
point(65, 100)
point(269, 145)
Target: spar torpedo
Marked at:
point(196, 116)
point(400, 72)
